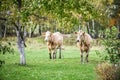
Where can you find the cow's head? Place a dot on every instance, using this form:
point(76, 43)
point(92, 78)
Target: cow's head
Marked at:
point(48, 36)
point(80, 36)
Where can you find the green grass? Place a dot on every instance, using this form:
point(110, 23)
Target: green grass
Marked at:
point(39, 67)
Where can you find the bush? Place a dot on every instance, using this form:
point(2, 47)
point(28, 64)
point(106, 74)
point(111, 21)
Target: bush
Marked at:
point(112, 47)
point(113, 50)
point(106, 71)
point(5, 48)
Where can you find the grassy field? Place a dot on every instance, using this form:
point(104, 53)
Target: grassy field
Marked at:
point(39, 67)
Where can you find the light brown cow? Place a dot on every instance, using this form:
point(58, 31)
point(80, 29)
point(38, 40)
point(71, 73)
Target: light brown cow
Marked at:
point(84, 43)
point(54, 42)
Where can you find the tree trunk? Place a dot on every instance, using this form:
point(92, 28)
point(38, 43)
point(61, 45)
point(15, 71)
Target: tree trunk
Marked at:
point(4, 35)
point(96, 33)
point(110, 30)
point(32, 31)
point(0, 32)
point(40, 30)
point(103, 34)
point(93, 24)
point(21, 47)
point(88, 28)
point(20, 31)
point(79, 27)
point(118, 26)
point(20, 36)
point(93, 28)
point(56, 28)
point(119, 32)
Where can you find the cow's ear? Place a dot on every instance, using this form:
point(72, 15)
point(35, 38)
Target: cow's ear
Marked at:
point(76, 32)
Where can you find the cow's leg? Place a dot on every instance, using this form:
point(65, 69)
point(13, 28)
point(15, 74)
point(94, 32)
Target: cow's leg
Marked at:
point(55, 53)
point(82, 57)
point(50, 56)
point(59, 52)
point(87, 54)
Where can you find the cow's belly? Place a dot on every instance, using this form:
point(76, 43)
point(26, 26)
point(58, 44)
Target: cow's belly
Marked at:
point(52, 47)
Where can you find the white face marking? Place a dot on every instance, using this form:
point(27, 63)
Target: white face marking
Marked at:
point(79, 35)
point(47, 36)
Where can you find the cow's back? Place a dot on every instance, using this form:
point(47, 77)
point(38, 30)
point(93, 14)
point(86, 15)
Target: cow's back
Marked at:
point(88, 39)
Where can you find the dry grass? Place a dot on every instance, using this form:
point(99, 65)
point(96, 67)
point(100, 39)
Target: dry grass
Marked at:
point(108, 71)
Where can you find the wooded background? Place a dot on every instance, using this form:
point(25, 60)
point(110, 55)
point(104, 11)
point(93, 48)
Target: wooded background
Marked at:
point(66, 16)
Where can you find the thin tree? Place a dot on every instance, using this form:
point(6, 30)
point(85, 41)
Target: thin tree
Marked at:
point(21, 35)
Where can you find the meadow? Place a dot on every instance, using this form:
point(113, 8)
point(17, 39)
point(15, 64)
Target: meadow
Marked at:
point(40, 67)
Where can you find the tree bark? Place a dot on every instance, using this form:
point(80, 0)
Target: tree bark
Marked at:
point(32, 31)
point(20, 36)
point(79, 27)
point(0, 32)
point(118, 26)
point(119, 32)
point(93, 28)
point(21, 47)
point(4, 35)
point(21, 42)
point(40, 30)
point(88, 28)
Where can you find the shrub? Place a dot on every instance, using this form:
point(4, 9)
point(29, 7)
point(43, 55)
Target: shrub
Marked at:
point(5, 48)
point(108, 71)
point(112, 47)
point(113, 50)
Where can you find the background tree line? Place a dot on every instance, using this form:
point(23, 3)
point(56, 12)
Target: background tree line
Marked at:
point(59, 15)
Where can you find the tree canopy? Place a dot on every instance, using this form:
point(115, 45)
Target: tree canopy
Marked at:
point(66, 12)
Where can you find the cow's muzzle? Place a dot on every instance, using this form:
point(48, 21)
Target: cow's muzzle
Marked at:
point(46, 40)
point(77, 41)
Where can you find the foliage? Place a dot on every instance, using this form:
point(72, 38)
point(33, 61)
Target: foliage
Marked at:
point(113, 50)
point(112, 47)
point(106, 71)
point(5, 48)
point(66, 12)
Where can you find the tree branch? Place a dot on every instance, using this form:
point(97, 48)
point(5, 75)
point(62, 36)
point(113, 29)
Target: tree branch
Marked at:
point(21, 33)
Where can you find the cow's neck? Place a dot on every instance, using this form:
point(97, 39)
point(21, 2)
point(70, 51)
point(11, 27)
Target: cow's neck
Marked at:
point(52, 39)
point(51, 42)
point(83, 43)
